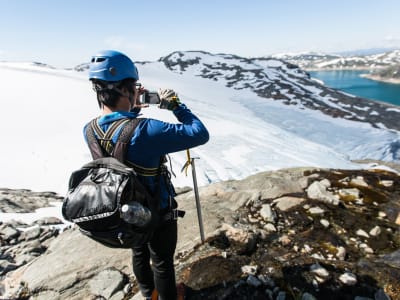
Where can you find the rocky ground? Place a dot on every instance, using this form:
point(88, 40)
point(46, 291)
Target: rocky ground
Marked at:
point(290, 234)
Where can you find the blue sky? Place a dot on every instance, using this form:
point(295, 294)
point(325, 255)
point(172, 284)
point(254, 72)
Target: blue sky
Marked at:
point(66, 33)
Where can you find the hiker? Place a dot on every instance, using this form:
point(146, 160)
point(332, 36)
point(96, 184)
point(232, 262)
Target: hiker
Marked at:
point(114, 77)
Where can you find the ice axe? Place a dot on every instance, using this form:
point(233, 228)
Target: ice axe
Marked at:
point(190, 161)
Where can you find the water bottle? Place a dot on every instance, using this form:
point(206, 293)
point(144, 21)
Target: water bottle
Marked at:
point(136, 214)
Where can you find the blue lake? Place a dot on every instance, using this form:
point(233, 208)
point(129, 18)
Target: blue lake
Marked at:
point(351, 82)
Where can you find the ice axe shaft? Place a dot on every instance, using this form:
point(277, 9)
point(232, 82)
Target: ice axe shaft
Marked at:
point(197, 197)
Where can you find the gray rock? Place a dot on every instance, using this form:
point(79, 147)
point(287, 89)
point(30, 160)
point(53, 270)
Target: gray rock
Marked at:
point(253, 281)
point(375, 231)
point(182, 190)
point(386, 183)
point(47, 233)
point(325, 182)
point(285, 240)
point(270, 227)
point(267, 213)
point(30, 234)
point(382, 215)
point(281, 296)
point(267, 281)
point(392, 259)
point(118, 296)
point(308, 296)
point(286, 203)
point(317, 269)
point(270, 294)
point(106, 283)
point(318, 191)
point(362, 233)
point(366, 249)
point(6, 266)
point(251, 270)
point(316, 211)
point(33, 246)
point(24, 201)
point(348, 278)
point(72, 258)
point(48, 221)
point(324, 223)
point(8, 232)
point(359, 181)
point(341, 253)
point(243, 240)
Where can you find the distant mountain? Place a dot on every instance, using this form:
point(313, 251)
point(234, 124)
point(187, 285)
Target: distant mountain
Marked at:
point(283, 81)
point(388, 74)
point(368, 51)
point(309, 61)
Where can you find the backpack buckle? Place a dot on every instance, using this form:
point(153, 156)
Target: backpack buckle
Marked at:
point(177, 213)
point(174, 214)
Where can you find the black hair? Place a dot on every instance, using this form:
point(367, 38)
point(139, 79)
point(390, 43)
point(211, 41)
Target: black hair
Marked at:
point(108, 93)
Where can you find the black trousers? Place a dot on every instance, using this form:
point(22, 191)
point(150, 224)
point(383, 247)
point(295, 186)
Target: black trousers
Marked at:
point(160, 250)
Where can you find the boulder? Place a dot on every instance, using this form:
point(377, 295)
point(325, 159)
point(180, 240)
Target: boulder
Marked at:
point(71, 260)
point(318, 191)
point(286, 203)
point(107, 283)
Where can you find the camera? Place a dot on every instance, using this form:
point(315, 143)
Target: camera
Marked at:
point(150, 98)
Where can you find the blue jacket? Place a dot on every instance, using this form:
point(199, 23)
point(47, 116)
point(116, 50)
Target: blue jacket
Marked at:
point(153, 139)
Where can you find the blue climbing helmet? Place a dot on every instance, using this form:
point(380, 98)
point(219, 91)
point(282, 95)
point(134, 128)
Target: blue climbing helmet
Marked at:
point(110, 65)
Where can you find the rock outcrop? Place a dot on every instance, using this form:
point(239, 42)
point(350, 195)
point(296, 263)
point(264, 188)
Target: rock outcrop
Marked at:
point(267, 237)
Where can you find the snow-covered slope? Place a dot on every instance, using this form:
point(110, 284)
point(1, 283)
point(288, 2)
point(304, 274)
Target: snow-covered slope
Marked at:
point(278, 80)
point(329, 61)
point(44, 110)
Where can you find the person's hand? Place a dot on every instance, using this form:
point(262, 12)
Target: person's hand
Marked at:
point(139, 92)
point(168, 99)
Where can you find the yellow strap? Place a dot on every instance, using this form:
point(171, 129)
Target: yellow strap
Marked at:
point(142, 170)
point(187, 164)
point(105, 138)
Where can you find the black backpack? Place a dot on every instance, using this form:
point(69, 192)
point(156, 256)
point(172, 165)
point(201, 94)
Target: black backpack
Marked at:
point(97, 191)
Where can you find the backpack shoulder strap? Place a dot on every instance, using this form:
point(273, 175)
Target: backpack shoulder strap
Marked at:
point(124, 138)
point(94, 146)
point(102, 146)
point(105, 138)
